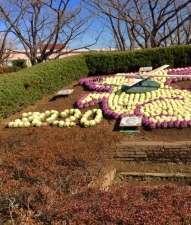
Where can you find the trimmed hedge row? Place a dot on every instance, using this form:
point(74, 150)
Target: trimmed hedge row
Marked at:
point(115, 62)
point(25, 87)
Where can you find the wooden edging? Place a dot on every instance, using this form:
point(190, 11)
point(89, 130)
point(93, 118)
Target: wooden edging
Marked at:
point(108, 179)
point(165, 175)
point(163, 144)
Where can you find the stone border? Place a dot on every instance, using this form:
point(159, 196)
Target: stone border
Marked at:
point(163, 175)
point(107, 180)
point(153, 151)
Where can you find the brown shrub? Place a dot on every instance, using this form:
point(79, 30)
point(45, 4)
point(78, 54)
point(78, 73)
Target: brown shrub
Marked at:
point(5, 69)
point(40, 167)
point(166, 204)
point(44, 178)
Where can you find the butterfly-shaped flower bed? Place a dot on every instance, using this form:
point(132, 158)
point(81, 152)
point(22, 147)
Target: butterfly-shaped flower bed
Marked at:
point(169, 106)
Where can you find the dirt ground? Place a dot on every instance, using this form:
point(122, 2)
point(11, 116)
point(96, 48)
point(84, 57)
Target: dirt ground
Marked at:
point(60, 103)
point(50, 102)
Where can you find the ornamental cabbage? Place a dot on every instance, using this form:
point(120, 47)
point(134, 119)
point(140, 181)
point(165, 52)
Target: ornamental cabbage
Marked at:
point(61, 123)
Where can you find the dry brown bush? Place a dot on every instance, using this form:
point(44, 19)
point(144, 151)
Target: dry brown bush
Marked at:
point(5, 69)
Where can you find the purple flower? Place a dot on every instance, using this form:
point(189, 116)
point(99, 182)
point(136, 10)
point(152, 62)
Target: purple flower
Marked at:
point(158, 124)
point(189, 123)
point(91, 102)
point(105, 108)
point(164, 124)
point(168, 81)
point(177, 98)
point(95, 100)
point(100, 89)
point(152, 125)
point(110, 89)
point(174, 80)
point(176, 123)
point(86, 104)
point(114, 115)
point(138, 114)
point(107, 111)
point(170, 123)
point(137, 111)
point(146, 122)
point(80, 105)
point(183, 124)
point(174, 86)
point(81, 81)
point(121, 115)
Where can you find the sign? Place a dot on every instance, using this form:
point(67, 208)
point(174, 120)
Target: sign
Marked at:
point(145, 69)
point(131, 121)
point(65, 92)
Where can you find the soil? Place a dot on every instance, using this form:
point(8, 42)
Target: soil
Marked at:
point(60, 103)
point(50, 102)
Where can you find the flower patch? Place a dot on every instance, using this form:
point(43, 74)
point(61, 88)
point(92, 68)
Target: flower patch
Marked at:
point(168, 106)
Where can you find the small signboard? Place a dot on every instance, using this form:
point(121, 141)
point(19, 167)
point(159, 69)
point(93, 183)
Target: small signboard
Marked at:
point(65, 92)
point(145, 69)
point(131, 121)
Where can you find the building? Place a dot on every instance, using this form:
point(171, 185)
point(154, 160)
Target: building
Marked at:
point(16, 54)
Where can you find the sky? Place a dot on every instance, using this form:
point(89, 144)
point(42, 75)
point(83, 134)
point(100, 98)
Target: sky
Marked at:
point(93, 32)
point(89, 38)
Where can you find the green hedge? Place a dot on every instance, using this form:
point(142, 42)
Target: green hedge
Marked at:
point(114, 62)
point(25, 87)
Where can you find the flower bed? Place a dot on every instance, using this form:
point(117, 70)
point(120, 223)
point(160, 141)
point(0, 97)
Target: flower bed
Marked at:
point(169, 106)
point(54, 118)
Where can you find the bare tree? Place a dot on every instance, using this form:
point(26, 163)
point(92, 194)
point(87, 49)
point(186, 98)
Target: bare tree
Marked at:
point(112, 24)
point(38, 22)
point(5, 48)
point(149, 23)
point(7, 43)
point(116, 29)
point(182, 35)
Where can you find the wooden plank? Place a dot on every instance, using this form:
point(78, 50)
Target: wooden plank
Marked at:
point(151, 73)
point(157, 69)
point(126, 74)
point(142, 69)
point(166, 75)
point(132, 82)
